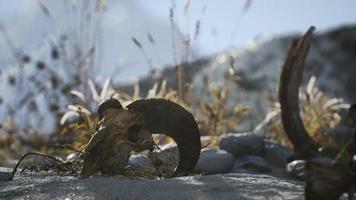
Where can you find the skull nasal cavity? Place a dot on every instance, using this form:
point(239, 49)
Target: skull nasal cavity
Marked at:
point(133, 132)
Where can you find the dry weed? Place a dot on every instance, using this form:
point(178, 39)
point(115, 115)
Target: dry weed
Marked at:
point(319, 114)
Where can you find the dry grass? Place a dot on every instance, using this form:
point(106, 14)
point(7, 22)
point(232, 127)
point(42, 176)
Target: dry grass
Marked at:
point(319, 114)
point(65, 82)
point(79, 122)
point(43, 86)
point(210, 111)
point(213, 114)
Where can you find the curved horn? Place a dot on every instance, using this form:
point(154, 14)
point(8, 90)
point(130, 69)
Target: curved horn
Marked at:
point(106, 104)
point(290, 80)
point(352, 112)
point(171, 119)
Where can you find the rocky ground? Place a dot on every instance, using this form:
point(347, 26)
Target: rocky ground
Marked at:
point(46, 185)
point(237, 153)
point(245, 166)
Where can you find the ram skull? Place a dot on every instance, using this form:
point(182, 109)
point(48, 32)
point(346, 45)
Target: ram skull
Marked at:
point(121, 131)
point(326, 178)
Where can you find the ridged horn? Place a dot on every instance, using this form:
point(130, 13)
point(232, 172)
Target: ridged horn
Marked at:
point(290, 80)
point(108, 104)
point(165, 117)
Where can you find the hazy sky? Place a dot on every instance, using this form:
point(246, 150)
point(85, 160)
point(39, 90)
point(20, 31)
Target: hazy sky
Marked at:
point(262, 17)
point(222, 25)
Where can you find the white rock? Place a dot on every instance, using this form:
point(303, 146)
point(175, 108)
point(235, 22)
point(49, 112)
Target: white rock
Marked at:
point(214, 161)
point(251, 164)
point(73, 156)
point(296, 168)
point(276, 153)
point(169, 150)
point(139, 162)
point(242, 144)
point(166, 159)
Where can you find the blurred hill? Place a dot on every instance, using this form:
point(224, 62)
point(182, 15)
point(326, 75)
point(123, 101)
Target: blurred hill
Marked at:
point(257, 67)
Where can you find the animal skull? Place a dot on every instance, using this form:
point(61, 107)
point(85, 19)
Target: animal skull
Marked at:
point(121, 131)
point(326, 178)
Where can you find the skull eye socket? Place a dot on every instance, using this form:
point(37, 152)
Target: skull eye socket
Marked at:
point(133, 132)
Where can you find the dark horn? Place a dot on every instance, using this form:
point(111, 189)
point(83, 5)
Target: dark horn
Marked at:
point(290, 80)
point(165, 117)
point(352, 112)
point(106, 104)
